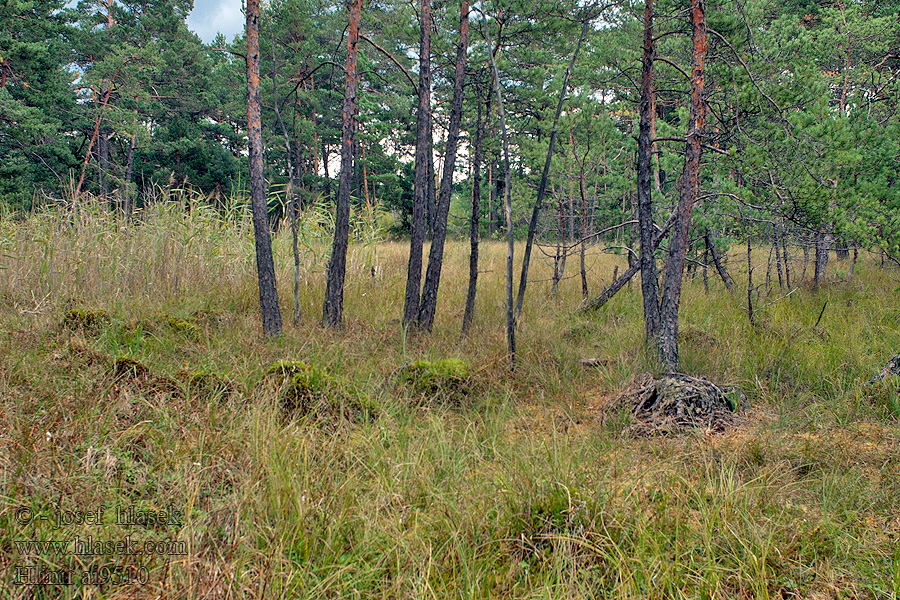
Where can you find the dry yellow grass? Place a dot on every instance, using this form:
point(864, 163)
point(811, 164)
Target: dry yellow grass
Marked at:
point(521, 488)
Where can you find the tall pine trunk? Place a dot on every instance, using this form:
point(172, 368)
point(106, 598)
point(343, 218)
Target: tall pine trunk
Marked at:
point(475, 222)
point(420, 184)
point(690, 190)
point(265, 266)
point(436, 255)
point(649, 283)
point(507, 169)
point(542, 187)
point(333, 309)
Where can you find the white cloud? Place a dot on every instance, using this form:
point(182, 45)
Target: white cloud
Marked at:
point(210, 17)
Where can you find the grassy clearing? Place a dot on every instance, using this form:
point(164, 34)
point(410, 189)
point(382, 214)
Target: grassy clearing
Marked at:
point(133, 375)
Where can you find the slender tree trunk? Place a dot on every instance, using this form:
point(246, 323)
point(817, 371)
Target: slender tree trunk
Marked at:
point(510, 247)
point(690, 191)
point(778, 258)
point(619, 283)
point(103, 163)
point(332, 311)
point(436, 255)
point(706, 269)
point(474, 224)
point(657, 182)
point(562, 251)
point(265, 265)
point(87, 153)
point(129, 171)
point(327, 177)
point(726, 279)
point(584, 229)
point(805, 258)
point(649, 282)
point(294, 177)
point(542, 187)
point(823, 239)
point(784, 254)
point(749, 280)
point(420, 185)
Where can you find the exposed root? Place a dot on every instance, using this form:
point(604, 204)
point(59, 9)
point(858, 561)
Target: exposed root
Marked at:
point(677, 401)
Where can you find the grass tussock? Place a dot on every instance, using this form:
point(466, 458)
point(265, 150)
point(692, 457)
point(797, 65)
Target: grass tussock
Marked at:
point(134, 377)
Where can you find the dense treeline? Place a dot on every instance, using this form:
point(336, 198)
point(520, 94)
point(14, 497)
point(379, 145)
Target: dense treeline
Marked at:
point(797, 117)
point(120, 99)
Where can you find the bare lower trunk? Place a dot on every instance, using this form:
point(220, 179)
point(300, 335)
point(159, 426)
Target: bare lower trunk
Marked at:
point(420, 184)
point(649, 282)
point(129, 171)
point(474, 224)
point(749, 281)
point(265, 266)
point(778, 258)
point(293, 165)
point(784, 254)
point(823, 240)
point(690, 191)
point(720, 267)
point(507, 168)
point(436, 254)
point(532, 226)
point(103, 163)
point(562, 251)
point(584, 232)
point(333, 308)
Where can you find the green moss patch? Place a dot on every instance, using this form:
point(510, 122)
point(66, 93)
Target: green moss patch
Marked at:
point(446, 378)
point(310, 391)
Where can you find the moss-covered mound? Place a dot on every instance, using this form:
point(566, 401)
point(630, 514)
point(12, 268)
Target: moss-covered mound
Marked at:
point(309, 391)
point(446, 379)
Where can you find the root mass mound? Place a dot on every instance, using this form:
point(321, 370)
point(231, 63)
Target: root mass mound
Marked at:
point(678, 401)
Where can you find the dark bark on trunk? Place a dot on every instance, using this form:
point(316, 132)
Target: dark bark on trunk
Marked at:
point(291, 153)
point(507, 168)
point(420, 185)
point(706, 270)
point(805, 259)
point(720, 268)
point(649, 282)
point(129, 172)
point(103, 163)
point(822, 243)
point(690, 191)
point(542, 187)
point(749, 281)
point(87, 153)
point(327, 178)
point(562, 251)
point(332, 311)
point(475, 224)
point(617, 285)
point(436, 254)
point(265, 265)
point(584, 229)
point(778, 258)
point(431, 204)
point(784, 254)
point(613, 289)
